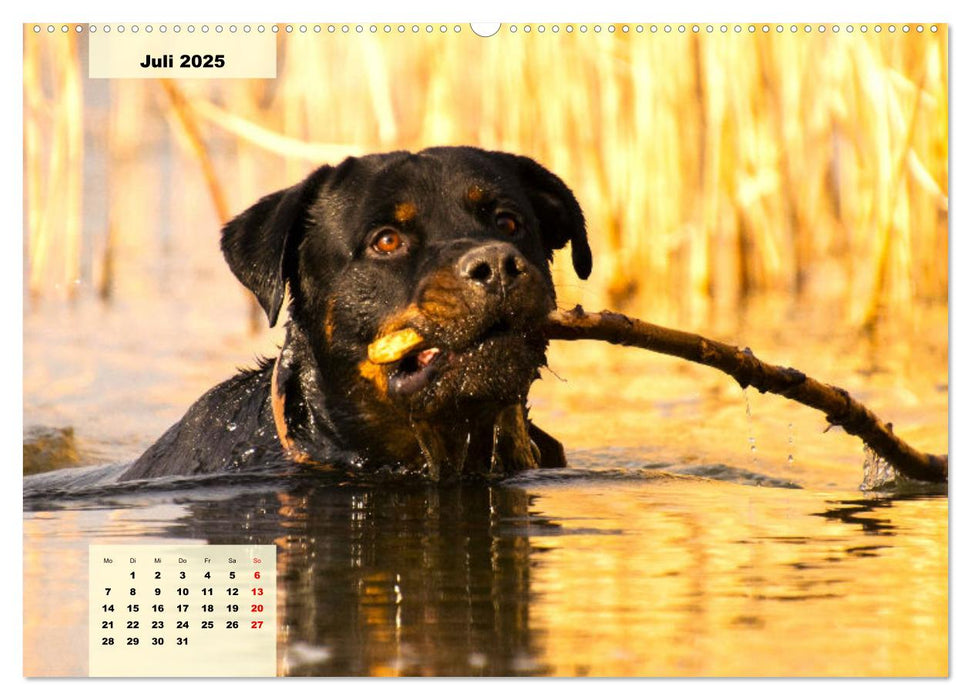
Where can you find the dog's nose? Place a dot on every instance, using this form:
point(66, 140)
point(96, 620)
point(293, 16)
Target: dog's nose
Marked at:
point(496, 266)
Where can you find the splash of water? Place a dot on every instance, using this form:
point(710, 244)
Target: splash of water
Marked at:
point(878, 474)
point(751, 431)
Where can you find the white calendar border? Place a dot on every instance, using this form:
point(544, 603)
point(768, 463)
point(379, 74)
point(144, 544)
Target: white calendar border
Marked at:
point(496, 10)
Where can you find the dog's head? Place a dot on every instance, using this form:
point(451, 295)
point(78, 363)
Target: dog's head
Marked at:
point(454, 243)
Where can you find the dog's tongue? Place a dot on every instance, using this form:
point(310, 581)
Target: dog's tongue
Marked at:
point(426, 356)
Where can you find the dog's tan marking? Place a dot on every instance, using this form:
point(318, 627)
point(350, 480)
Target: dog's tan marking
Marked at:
point(400, 320)
point(329, 320)
point(375, 374)
point(277, 403)
point(475, 194)
point(405, 212)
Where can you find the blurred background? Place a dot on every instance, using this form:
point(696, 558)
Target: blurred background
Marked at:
point(711, 167)
point(733, 183)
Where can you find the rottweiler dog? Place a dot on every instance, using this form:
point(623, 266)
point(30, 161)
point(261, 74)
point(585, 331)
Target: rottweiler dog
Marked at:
point(454, 243)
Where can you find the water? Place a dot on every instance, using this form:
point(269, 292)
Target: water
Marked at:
point(632, 573)
point(667, 548)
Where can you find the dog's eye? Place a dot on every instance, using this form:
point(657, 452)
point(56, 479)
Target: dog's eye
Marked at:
point(387, 241)
point(507, 224)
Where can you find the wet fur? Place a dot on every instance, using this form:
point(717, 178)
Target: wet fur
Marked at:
point(312, 239)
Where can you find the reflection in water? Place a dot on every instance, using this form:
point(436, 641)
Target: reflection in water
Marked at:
point(378, 581)
point(662, 551)
point(641, 572)
point(862, 512)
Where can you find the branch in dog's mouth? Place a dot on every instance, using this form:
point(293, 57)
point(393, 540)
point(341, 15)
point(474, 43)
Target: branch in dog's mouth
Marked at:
point(742, 365)
point(400, 345)
point(416, 365)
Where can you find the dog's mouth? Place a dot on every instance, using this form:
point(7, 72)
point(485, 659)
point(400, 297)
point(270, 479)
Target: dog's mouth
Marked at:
point(417, 369)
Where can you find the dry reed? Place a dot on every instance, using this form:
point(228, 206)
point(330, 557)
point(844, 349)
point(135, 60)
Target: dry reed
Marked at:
point(711, 167)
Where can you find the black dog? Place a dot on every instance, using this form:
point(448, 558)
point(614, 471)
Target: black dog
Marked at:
point(454, 243)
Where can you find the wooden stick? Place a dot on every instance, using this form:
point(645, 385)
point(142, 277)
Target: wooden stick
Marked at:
point(840, 408)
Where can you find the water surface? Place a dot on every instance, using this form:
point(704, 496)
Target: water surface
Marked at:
point(701, 530)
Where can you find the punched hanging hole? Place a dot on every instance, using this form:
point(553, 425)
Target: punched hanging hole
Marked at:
point(485, 29)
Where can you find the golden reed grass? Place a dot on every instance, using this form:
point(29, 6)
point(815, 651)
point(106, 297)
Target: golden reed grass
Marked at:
point(711, 167)
point(53, 152)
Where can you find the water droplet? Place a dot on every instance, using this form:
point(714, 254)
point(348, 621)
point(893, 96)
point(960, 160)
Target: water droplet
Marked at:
point(751, 432)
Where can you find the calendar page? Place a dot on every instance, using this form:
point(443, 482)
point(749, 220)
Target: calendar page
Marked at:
point(170, 610)
point(357, 348)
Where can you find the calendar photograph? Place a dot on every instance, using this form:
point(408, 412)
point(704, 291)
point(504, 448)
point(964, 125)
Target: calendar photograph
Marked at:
point(485, 350)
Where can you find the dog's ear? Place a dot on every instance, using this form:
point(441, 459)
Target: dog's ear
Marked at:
point(560, 216)
point(259, 243)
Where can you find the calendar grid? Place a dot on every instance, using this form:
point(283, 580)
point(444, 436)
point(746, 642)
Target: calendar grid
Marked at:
point(182, 610)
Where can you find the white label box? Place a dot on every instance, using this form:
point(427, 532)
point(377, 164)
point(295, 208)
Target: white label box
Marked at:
point(184, 55)
point(182, 610)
